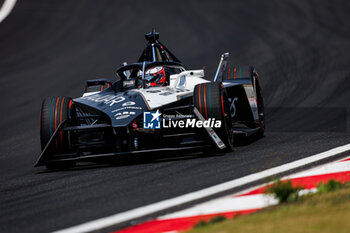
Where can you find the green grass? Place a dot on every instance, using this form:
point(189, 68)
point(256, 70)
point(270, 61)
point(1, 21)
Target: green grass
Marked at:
point(284, 191)
point(212, 221)
point(328, 211)
point(330, 186)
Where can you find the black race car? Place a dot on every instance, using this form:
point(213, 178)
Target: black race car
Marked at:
point(157, 105)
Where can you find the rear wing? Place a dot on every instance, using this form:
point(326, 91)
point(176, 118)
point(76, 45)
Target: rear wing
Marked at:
point(221, 68)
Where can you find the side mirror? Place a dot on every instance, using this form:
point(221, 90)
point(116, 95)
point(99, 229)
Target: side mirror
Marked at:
point(129, 84)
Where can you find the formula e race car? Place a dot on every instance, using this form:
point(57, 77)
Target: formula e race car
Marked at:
point(157, 105)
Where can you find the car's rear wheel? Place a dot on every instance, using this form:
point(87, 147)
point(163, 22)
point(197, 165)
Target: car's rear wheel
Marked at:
point(54, 111)
point(249, 71)
point(212, 102)
point(260, 103)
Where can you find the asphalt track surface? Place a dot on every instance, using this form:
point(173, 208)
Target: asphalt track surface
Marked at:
point(300, 48)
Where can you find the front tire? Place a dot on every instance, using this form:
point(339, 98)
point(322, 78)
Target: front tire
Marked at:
point(212, 102)
point(55, 110)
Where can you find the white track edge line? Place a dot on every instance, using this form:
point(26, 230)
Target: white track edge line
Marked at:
point(6, 9)
point(165, 204)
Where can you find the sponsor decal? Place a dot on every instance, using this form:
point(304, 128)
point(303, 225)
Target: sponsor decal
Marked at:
point(217, 140)
point(106, 99)
point(168, 91)
point(125, 112)
point(128, 107)
point(233, 106)
point(129, 103)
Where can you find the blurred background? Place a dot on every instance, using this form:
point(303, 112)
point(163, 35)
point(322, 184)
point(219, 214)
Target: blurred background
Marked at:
point(300, 48)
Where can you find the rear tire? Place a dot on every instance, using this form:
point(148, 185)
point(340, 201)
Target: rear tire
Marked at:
point(249, 71)
point(260, 102)
point(55, 110)
point(211, 101)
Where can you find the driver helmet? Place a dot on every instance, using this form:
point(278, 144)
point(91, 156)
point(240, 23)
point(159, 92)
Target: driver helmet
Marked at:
point(155, 76)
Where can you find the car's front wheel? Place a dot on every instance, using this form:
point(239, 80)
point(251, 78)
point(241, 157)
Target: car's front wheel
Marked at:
point(54, 111)
point(212, 102)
